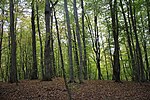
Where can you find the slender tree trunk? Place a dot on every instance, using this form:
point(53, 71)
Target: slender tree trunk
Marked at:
point(1, 40)
point(41, 45)
point(84, 43)
point(8, 63)
point(69, 42)
point(97, 48)
point(21, 56)
point(148, 13)
point(95, 44)
point(26, 64)
point(13, 67)
point(129, 41)
point(47, 60)
point(78, 40)
point(139, 57)
point(116, 67)
point(145, 49)
point(123, 65)
point(34, 68)
point(89, 69)
point(135, 71)
point(23, 64)
point(61, 56)
point(52, 45)
point(109, 44)
point(147, 61)
point(105, 58)
point(76, 52)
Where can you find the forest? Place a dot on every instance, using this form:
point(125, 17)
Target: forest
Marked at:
point(74, 49)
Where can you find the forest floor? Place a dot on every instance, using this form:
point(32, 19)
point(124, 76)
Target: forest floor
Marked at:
point(89, 90)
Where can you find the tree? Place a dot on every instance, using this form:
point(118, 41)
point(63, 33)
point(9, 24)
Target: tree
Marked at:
point(148, 13)
point(129, 42)
point(84, 43)
point(97, 47)
point(95, 43)
point(139, 61)
point(13, 67)
point(116, 65)
point(52, 40)
point(34, 68)
point(47, 55)
point(1, 40)
point(78, 40)
point(144, 44)
point(61, 56)
point(69, 42)
point(100, 39)
point(41, 45)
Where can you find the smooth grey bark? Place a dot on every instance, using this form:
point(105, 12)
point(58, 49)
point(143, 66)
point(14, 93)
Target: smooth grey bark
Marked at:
point(69, 42)
point(47, 56)
point(13, 67)
point(34, 67)
point(78, 40)
point(84, 44)
point(52, 43)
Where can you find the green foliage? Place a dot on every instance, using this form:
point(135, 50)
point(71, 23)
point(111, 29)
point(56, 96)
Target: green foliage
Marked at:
point(99, 8)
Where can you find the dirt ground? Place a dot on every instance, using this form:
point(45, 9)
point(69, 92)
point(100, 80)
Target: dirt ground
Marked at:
point(89, 90)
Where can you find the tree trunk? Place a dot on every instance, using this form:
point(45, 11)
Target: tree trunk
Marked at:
point(76, 52)
point(47, 60)
point(148, 13)
point(145, 49)
point(1, 40)
point(97, 48)
point(129, 42)
point(69, 42)
point(61, 56)
point(105, 58)
point(78, 40)
point(147, 61)
point(140, 65)
point(84, 43)
point(123, 65)
point(13, 67)
point(34, 67)
point(52, 45)
point(109, 44)
point(41, 45)
point(95, 44)
point(116, 66)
